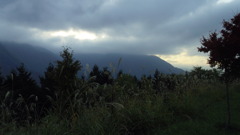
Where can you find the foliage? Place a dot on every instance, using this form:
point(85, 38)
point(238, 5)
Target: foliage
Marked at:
point(48, 81)
point(67, 69)
point(60, 81)
point(199, 110)
point(101, 104)
point(224, 49)
point(101, 77)
point(1, 78)
point(224, 52)
point(20, 99)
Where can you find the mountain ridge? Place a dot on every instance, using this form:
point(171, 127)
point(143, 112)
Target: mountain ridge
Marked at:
point(36, 60)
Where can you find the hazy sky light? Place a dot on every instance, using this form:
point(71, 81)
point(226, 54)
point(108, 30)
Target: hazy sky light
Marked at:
point(170, 29)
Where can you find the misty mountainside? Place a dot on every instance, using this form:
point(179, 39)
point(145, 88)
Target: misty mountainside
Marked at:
point(137, 65)
point(36, 59)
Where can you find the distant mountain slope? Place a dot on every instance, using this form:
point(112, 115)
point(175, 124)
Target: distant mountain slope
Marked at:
point(133, 64)
point(7, 60)
point(36, 60)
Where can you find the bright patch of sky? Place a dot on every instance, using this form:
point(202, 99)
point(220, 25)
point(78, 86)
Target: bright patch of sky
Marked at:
point(224, 1)
point(77, 34)
point(185, 61)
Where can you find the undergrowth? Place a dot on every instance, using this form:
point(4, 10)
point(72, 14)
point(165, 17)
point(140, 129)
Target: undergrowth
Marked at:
point(195, 111)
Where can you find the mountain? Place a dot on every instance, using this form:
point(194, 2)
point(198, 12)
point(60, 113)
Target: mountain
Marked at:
point(36, 60)
point(132, 64)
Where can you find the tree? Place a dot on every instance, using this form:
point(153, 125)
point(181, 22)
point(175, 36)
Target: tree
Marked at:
point(106, 77)
point(66, 71)
point(224, 53)
point(21, 82)
point(101, 76)
point(48, 81)
point(61, 81)
point(95, 73)
point(1, 79)
point(23, 95)
point(156, 81)
point(48, 84)
point(1, 85)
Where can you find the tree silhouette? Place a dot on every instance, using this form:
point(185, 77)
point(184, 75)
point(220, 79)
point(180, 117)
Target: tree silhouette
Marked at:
point(1, 79)
point(48, 85)
point(106, 77)
point(156, 81)
point(61, 81)
point(224, 52)
point(101, 77)
point(95, 73)
point(21, 82)
point(66, 71)
point(1, 86)
point(48, 81)
point(23, 99)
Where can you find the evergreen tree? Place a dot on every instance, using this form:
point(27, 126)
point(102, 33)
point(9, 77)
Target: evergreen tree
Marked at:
point(106, 77)
point(96, 74)
point(156, 81)
point(49, 80)
point(1, 78)
point(67, 69)
point(1, 86)
point(23, 99)
point(61, 79)
point(101, 77)
point(21, 82)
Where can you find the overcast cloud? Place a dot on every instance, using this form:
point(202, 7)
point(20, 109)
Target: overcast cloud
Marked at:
point(165, 28)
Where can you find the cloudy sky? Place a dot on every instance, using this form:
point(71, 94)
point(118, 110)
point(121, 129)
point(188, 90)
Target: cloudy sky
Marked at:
point(169, 29)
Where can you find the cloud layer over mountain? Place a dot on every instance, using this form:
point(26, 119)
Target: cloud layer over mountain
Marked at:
point(114, 26)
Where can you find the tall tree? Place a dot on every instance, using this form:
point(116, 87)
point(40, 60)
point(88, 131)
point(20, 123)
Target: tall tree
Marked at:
point(106, 77)
point(62, 79)
point(1, 85)
point(224, 53)
point(156, 81)
point(48, 81)
point(95, 73)
point(1, 78)
point(67, 69)
point(21, 82)
point(23, 95)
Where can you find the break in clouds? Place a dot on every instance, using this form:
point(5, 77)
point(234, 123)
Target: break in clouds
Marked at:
point(114, 26)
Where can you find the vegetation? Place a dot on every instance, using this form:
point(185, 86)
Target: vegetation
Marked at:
point(225, 53)
point(64, 103)
point(101, 104)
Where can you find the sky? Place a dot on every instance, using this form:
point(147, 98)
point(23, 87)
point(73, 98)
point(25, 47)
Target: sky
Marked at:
point(169, 29)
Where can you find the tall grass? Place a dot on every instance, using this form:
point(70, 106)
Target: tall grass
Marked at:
point(94, 109)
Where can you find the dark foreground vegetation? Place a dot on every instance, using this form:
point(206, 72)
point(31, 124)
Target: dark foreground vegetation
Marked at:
point(63, 103)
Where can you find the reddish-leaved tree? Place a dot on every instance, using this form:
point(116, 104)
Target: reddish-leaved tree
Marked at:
point(224, 53)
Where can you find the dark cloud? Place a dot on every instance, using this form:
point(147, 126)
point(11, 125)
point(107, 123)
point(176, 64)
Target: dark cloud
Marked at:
point(133, 26)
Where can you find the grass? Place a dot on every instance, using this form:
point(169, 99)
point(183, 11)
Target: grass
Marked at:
point(197, 111)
